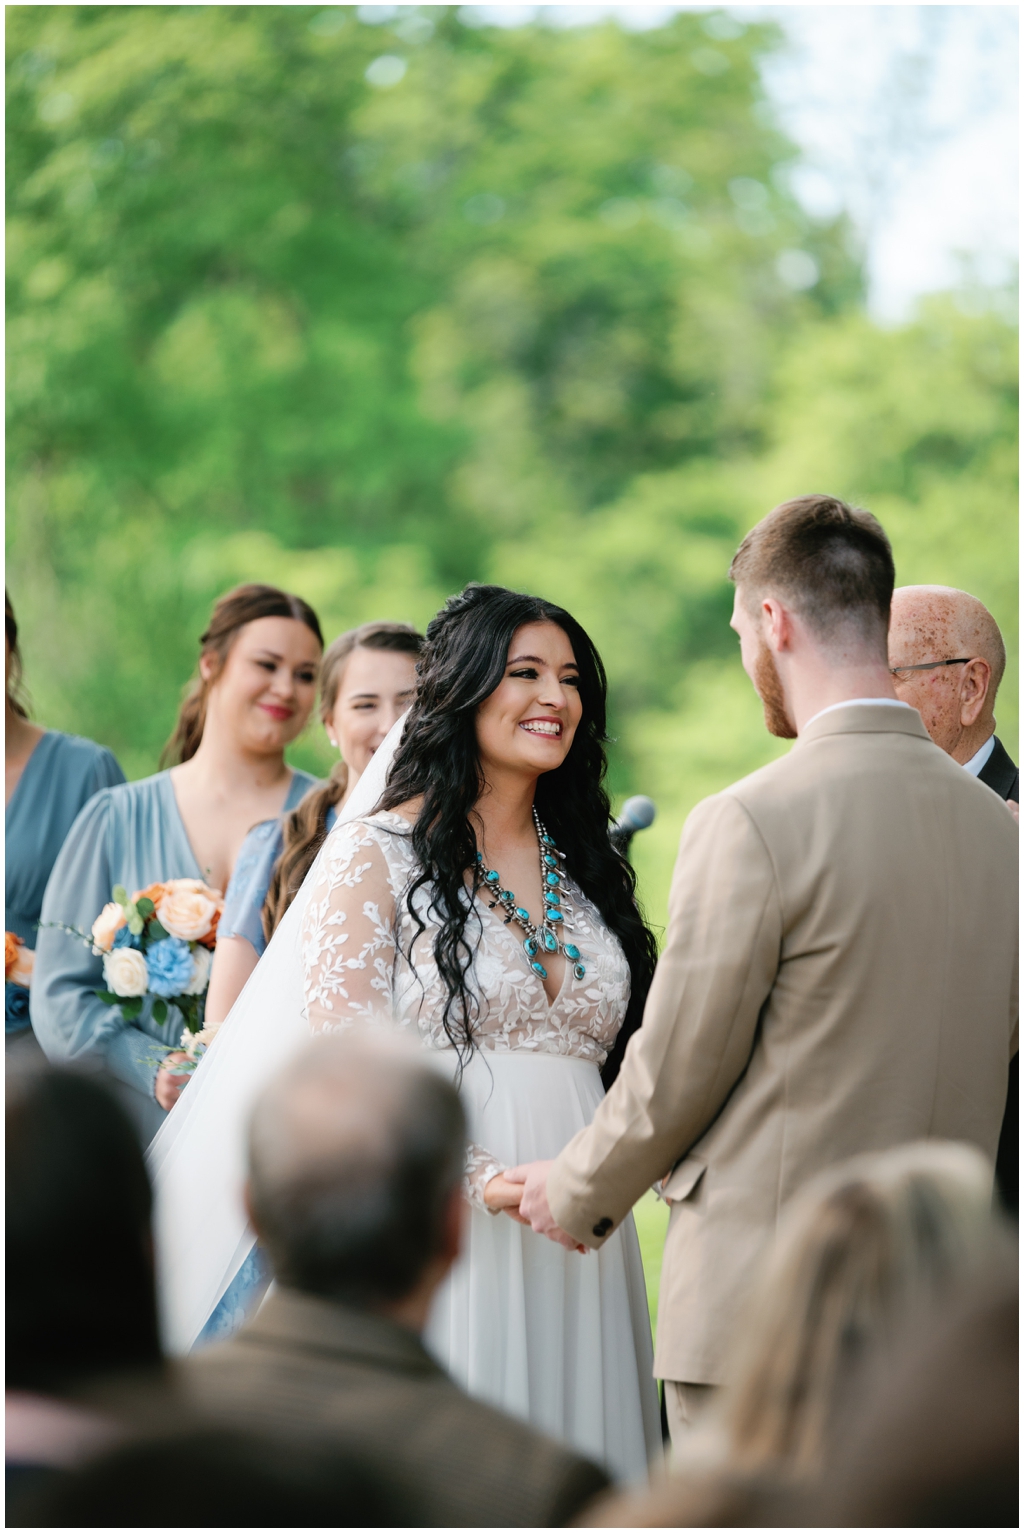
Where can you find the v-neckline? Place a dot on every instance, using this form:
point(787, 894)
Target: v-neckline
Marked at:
point(184, 829)
point(524, 956)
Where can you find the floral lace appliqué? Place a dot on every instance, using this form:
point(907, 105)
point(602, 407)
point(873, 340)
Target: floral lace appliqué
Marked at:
point(364, 962)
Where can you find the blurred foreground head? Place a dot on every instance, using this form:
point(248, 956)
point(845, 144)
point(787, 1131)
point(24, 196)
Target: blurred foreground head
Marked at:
point(81, 1300)
point(355, 1165)
point(862, 1253)
point(829, 567)
point(934, 624)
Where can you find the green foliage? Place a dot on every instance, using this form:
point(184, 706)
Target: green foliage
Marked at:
point(516, 316)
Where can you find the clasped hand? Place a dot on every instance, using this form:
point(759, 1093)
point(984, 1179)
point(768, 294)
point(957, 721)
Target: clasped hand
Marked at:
point(522, 1194)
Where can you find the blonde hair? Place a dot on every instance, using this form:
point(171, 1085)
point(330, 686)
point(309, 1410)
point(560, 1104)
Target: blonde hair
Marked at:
point(861, 1249)
point(306, 827)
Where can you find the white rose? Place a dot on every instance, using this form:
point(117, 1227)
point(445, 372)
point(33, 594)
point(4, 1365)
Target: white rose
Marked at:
point(125, 972)
point(193, 1042)
point(188, 909)
point(202, 962)
point(105, 927)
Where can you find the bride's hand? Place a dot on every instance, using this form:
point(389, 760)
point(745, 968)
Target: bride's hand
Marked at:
point(502, 1196)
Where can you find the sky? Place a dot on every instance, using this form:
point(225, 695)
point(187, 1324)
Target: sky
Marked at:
point(907, 118)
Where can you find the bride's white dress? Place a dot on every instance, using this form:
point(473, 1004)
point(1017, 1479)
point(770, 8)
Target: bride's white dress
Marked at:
point(559, 1339)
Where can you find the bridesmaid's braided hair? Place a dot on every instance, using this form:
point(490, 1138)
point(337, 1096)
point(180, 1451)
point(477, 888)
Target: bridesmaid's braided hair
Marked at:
point(463, 662)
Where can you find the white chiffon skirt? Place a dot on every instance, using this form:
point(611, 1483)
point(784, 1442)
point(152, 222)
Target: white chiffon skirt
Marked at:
point(558, 1339)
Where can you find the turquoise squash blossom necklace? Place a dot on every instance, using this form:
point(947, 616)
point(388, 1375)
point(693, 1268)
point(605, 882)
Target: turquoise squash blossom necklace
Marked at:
point(548, 937)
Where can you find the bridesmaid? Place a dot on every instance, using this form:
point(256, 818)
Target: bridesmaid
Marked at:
point(367, 681)
point(253, 695)
point(50, 776)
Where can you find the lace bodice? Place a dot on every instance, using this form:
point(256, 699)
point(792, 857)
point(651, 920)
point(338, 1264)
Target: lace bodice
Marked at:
point(362, 961)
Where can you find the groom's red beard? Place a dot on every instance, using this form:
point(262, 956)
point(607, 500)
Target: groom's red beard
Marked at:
point(773, 699)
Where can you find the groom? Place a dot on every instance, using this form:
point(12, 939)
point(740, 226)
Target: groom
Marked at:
point(839, 972)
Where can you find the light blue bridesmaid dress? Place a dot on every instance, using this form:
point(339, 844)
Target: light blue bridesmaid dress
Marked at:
point(131, 835)
point(60, 777)
point(242, 916)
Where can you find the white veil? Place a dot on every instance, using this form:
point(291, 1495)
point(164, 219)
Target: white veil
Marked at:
point(197, 1160)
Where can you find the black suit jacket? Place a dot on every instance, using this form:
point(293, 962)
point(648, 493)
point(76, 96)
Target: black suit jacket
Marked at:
point(1000, 774)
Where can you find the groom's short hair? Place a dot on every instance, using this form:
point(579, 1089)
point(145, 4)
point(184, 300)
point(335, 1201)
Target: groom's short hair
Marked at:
point(831, 562)
point(354, 1154)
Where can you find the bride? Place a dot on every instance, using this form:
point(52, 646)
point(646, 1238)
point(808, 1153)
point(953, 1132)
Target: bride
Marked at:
point(481, 904)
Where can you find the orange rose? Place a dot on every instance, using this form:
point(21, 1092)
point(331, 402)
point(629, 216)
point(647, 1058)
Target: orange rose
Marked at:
point(11, 946)
point(18, 960)
point(210, 940)
point(154, 892)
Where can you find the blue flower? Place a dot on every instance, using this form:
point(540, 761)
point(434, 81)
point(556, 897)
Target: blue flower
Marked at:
point(169, 962)
point(16, 1008)
point(124, 938)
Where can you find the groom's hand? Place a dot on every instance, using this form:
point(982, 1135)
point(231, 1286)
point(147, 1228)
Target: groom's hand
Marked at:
point(534, 1207)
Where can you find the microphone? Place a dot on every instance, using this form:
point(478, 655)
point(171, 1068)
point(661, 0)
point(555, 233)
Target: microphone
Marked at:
point(637, 814)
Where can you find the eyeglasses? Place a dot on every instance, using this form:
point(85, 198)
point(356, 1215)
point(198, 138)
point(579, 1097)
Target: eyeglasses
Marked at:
point(932, 665)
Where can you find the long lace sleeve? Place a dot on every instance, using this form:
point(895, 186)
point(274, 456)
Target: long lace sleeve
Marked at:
point(348, 955)
point(480, 1167)
point(348, 934)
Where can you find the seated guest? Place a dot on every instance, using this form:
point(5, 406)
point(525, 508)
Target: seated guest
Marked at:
point(934, 1443)
point(228, 1480)
point(947, 659)
point(81, 1301)
point(355, 1166)
point(50, 776)
point(863, 1253)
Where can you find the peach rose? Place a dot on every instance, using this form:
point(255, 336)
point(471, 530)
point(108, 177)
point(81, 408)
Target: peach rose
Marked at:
point(105, 927)
point(154, 892)
point(189, 909)
point(18, 960)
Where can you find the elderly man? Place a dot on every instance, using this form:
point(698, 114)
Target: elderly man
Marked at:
point(356, 1160)
point(839, 969)
point(947, 659)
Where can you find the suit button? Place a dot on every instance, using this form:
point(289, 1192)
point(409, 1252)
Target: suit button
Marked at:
point(602, 1227)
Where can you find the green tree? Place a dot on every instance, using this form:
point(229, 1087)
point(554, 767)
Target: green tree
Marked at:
point(372, 310)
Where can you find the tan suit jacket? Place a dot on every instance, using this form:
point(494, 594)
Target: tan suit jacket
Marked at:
point(317, 1373)
point(839, 975)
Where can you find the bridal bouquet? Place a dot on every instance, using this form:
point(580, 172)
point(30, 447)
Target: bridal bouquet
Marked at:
point(158, 944)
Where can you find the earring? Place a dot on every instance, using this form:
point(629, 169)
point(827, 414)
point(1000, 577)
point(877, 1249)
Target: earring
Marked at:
point(333, 741)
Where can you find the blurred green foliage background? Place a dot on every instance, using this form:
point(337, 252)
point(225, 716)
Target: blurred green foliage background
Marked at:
point(373, 310)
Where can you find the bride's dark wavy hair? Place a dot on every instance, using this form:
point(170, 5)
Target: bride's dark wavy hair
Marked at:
point(463, 662)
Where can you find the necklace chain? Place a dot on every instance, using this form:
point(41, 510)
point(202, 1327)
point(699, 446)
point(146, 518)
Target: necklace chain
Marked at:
point(549, 936)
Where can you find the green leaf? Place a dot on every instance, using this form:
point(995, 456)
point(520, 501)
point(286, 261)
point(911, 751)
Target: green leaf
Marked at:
point(145, 907)
point(135, 926)
point(130, 1009)
point(155, 932)
point(109, 998)
point(120, 895)
point(159, 1012)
